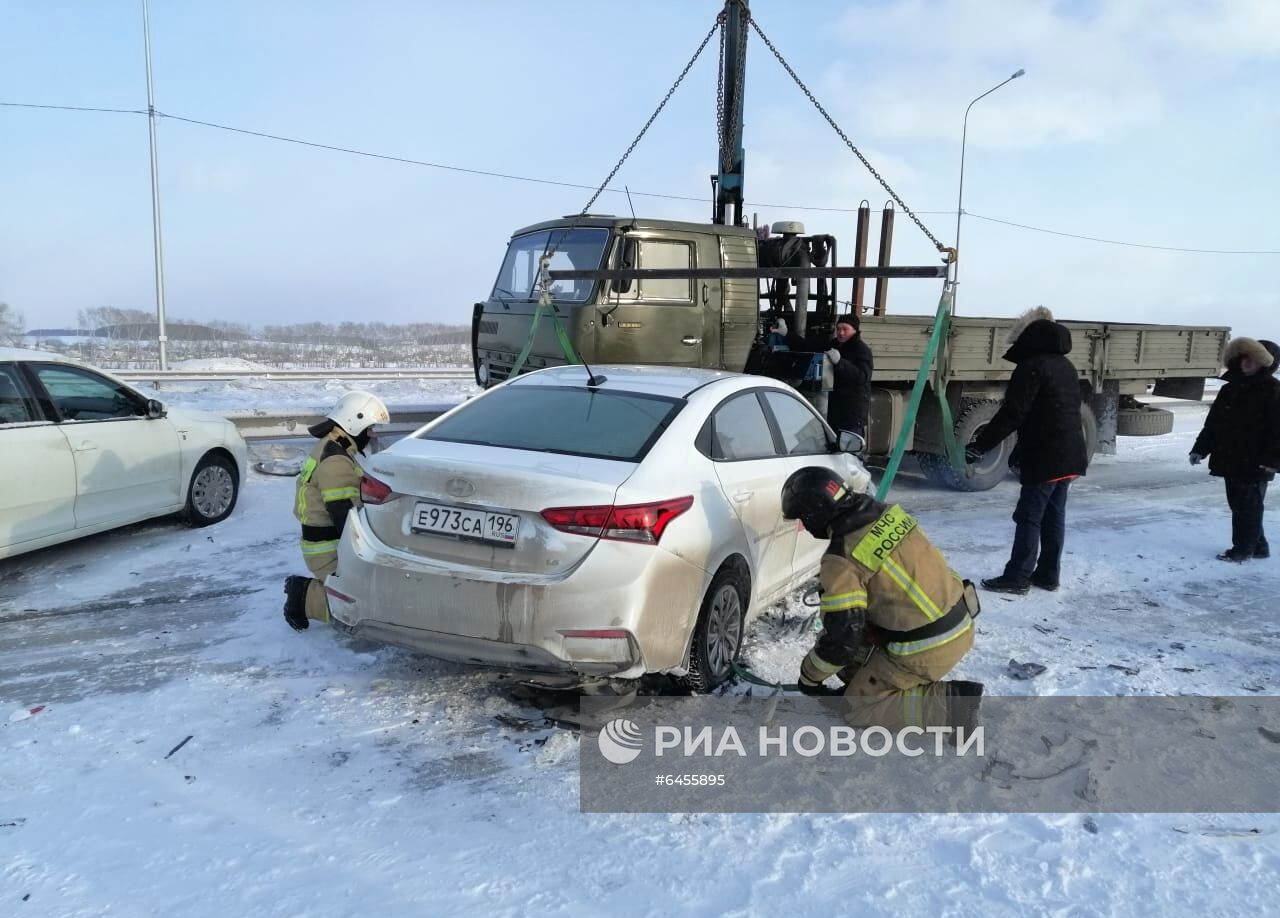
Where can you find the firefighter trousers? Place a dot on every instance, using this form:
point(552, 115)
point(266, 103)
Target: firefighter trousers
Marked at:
point(894, 691)
point(320, 566)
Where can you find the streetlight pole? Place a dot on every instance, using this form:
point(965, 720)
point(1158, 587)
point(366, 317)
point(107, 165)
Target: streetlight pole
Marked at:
point(161, 337)
point(964, 135)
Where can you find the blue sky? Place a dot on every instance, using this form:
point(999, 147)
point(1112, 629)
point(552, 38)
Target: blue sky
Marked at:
point(1143, 121)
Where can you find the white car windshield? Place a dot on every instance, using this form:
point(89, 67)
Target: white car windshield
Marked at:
point(575, 248)
point(554, 419)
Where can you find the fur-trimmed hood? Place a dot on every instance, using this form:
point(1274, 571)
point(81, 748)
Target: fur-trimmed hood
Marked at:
point(1264, 353)
point(1035, 332)
point(1031, 315)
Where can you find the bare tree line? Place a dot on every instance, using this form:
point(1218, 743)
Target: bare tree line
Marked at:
point(118, 338)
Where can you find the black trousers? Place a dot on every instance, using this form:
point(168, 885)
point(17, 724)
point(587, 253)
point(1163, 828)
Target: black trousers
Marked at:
point(1041, 517)
point(1245, 498)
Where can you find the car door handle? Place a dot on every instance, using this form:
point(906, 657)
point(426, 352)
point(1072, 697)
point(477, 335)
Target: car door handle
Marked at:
point(86, 446)
point(690, 340)
point(741, 497)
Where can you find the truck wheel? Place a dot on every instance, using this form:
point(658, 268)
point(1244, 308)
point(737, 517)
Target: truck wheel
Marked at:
point(1089, 421)
point(717, 634)
point(1143, 422)
point(972, 418)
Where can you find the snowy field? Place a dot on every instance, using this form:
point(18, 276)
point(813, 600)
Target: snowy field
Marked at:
point(324, 777)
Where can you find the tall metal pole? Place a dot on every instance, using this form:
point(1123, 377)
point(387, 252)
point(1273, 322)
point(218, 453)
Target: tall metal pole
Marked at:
point(964, 135)
point(161, 337)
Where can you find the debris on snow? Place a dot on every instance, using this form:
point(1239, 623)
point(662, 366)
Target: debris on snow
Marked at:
point(1018, 670)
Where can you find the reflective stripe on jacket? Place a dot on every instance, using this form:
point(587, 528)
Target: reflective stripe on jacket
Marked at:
point(892, 570)
point(329, 474)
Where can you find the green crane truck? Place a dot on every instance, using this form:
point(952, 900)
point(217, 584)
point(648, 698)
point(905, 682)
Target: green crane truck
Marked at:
point(672, 293)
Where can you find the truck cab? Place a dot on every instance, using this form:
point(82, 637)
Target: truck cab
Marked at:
point(684, 322)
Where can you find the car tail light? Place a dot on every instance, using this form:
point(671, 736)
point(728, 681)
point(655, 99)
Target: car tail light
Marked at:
point(628, 523)
point(373, 491)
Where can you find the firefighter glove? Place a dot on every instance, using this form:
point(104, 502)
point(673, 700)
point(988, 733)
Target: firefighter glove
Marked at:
point(1196, 458)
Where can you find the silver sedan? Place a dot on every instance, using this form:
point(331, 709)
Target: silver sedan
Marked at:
point(628, 526)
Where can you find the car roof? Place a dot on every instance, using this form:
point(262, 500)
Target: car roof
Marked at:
point(27, 353)
point(674, 382)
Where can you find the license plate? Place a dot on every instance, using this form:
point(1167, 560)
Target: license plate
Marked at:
point(481, 525)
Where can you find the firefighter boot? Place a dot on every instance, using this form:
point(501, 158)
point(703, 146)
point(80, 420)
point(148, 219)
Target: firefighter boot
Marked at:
point(295, 602)
point(963, 699)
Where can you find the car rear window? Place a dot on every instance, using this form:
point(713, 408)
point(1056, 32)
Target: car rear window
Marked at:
point(554, 419)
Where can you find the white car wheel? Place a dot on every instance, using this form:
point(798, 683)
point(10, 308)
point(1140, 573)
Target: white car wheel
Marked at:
point(213, 492)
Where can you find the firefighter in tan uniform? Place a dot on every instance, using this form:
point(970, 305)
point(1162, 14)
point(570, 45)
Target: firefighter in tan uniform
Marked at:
point(896, 618)
point(329, 489)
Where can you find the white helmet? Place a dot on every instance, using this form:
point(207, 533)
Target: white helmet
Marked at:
point(357, 411)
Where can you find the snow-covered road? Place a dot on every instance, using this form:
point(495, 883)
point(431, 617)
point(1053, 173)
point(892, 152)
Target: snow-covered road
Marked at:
point(328, 777)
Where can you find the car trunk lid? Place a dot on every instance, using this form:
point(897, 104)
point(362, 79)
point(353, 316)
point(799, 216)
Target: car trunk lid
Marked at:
point(481, 506)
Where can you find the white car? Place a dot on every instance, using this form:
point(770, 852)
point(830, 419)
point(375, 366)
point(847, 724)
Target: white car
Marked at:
point(627, 527)
point(82, 452)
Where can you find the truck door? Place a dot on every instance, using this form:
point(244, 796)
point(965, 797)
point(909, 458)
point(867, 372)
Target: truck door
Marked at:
point(654, 320)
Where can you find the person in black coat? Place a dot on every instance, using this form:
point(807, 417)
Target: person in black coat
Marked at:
point(850, 364)
point(1241, 437)
point(1042, 405)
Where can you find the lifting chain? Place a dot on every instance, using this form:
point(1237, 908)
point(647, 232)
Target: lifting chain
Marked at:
point(656, 112)
point(723, 136)
point(946, 250)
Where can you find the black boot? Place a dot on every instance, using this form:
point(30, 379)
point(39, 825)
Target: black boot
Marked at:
point(1019, 586)
point(1044, 581)
point(295, 602)
point(963, 699)
point(1235, 555)
point(1262, 550)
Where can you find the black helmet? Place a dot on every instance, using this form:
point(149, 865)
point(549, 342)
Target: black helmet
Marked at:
point(814, 495)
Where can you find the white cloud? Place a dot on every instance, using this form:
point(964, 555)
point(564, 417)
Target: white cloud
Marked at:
point(1093, 73)
point(1245, 28)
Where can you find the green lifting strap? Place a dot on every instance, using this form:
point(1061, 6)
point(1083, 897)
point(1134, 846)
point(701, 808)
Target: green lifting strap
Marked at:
point(546, 309)
point(941, 327)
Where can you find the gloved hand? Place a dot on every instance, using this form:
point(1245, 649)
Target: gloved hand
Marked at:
point(779, 327)
point(834, 355)
point(1195, 458)
point(817, 689)
point(972, 454)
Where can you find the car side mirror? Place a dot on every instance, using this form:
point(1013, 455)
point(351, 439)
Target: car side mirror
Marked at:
point(851, 442)
point(155, 409)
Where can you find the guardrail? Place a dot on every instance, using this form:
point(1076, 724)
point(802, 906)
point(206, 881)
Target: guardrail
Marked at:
point(273, 424)
point(156, 377)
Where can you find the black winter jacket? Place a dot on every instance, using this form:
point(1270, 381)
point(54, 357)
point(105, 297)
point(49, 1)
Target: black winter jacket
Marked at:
point(1242, 431)
point(1042, 405)
point(850, 399)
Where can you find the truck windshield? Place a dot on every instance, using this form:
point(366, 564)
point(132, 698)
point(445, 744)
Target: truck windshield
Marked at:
point(576, 248)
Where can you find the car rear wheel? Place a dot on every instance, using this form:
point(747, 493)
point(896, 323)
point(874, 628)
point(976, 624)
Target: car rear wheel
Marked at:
point(717, 635)
point(213, 492)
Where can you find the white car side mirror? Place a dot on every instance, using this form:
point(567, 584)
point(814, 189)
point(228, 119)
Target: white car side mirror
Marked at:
point(155, 409)
point(851, 442)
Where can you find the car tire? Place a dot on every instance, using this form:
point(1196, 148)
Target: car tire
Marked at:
point(717, 634)
point(215, 486)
